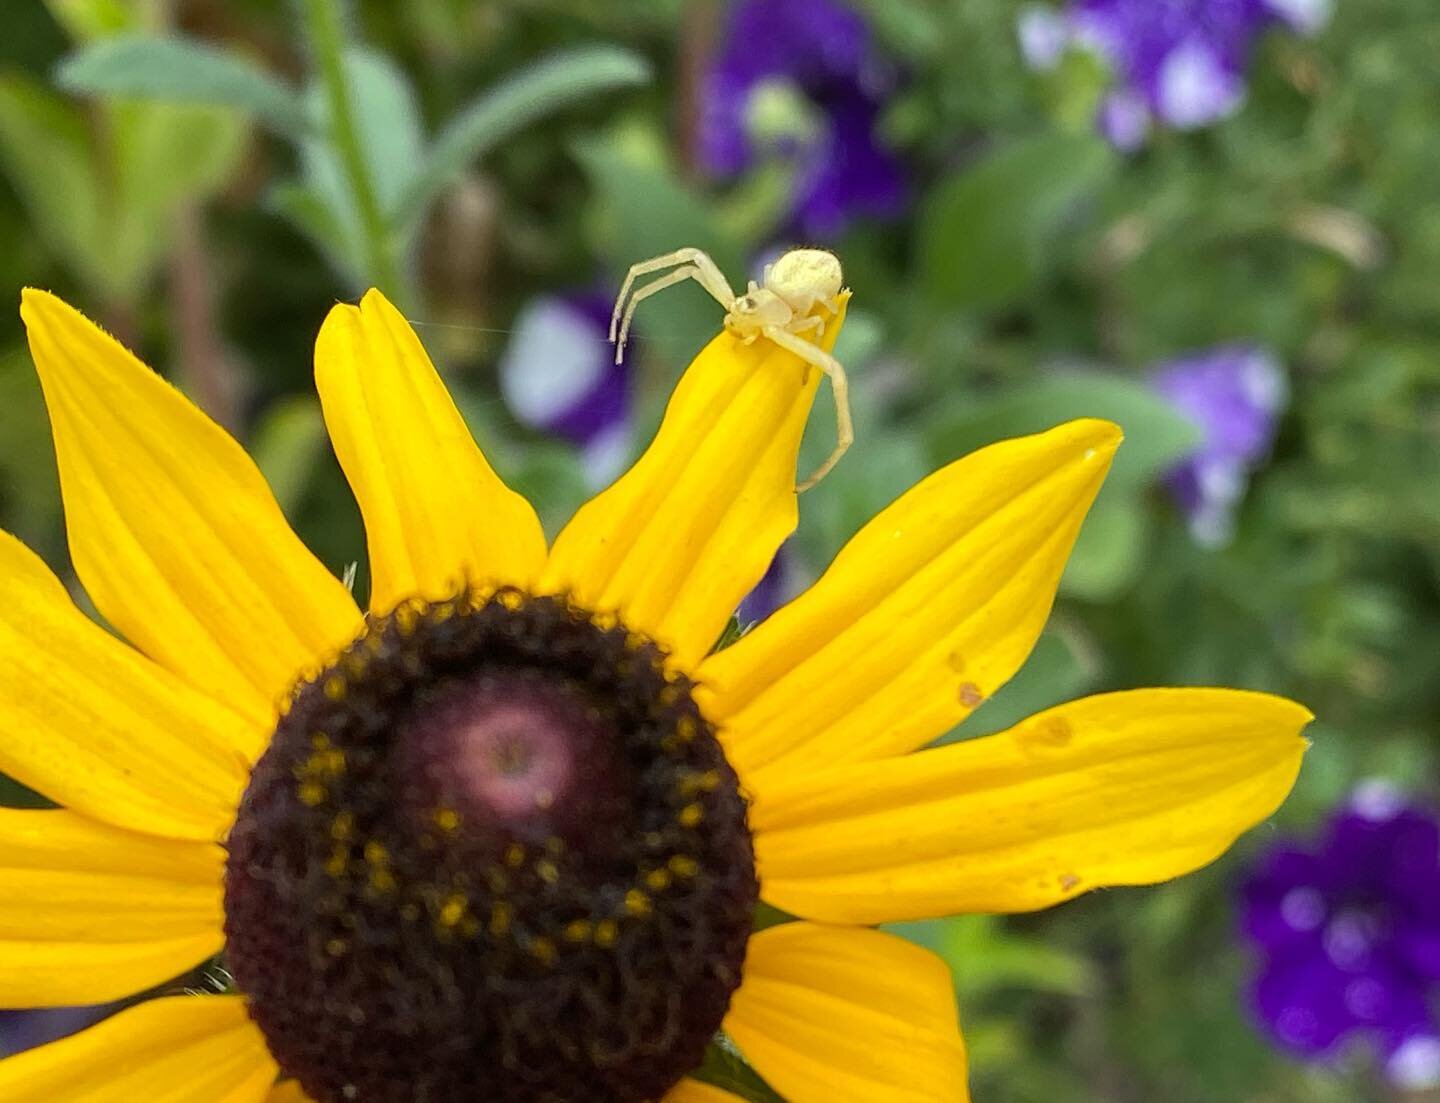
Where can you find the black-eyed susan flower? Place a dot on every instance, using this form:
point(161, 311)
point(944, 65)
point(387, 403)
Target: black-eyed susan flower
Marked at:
point(503, 835)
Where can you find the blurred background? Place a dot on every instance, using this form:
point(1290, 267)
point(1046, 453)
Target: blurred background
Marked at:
point(1216, 222)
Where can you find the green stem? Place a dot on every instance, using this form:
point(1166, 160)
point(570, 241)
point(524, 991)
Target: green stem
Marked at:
point(327, 37)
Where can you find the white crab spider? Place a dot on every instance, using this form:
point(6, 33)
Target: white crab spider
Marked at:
point(800, 290)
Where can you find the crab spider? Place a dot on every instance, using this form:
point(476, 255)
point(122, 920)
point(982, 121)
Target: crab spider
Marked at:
point(799, 291)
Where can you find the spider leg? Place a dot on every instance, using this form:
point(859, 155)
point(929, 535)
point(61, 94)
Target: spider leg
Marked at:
point(803, 326)
point(844, 428)
point(709, 277)
point(660, 283)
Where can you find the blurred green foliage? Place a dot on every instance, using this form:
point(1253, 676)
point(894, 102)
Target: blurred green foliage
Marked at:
point(513, 148)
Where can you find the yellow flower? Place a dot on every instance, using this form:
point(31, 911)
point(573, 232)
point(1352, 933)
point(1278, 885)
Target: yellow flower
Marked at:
point(496, 842)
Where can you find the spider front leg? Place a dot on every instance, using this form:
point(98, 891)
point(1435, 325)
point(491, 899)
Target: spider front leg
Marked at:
point(844, 428)
point(670, 279)
point(699, 268)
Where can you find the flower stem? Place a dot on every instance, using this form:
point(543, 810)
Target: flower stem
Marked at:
point(327, 38)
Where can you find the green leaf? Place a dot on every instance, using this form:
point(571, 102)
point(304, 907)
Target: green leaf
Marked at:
point(311, 212)
point(45, 151)
point(163, 154)
point(725, 1068)
point(288, 443)
point(392, 142)
point(507, 108)
point(983, 235)
point(155, 156)
point(86, 19)
point(1111, 548)
point(29, 486)
point(1155, 434)
point(985, 955)
point(145, 67)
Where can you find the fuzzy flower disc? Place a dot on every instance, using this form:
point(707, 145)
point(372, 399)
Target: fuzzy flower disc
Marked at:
point(493, 851)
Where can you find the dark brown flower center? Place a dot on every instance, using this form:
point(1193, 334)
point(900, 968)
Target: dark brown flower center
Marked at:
point(494, 851)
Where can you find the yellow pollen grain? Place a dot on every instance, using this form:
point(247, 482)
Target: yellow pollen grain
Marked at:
point(578, 930)
point(499, 918)
point(514, 855)
point(320, 741)
point(544, 799)
point(452, 911)
point(409, 912)
point(971, 695)
point(447, 819)
point(555, 845)
point(312, 793)
point(382, 880)
point(406, 618)
point(547, 871)
point(706, 782)
point(607, 933)
point(441, 613)
point(330, 763)
point(511, 599)
point(691, 815)
point(686, 728)
point(335, 687)
point(376, 854)
point(469, 926)
point(355, 663)
point(337, 862)
point(342, 827)
point(637, 903)
point(336, 946)
point(683, 866)
point(496, 879)
point(543, 950)
point(657, 880)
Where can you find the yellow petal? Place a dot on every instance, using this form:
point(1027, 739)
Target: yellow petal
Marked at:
point(96, 726)
point(688, 531)
point(90, 913)
point(172, 529)
point(436, 514)
point(927, 611)
point(846, 1015)
point(1118, 789)
point(288, 1091)
point(184, 1049)
point(693, 1091)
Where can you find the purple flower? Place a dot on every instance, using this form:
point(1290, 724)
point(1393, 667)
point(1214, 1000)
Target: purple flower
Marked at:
point(558, 374)
point(1348, 934)
point(769, 593)
point(1234, 393)
point(799, 79)
point(1044, 36)
point(1179, 62)
point(22, 1030)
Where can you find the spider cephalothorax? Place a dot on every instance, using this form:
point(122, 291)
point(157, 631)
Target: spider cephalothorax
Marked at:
point(798, 294)
point(494, 851)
